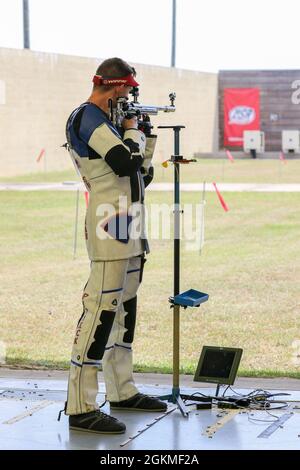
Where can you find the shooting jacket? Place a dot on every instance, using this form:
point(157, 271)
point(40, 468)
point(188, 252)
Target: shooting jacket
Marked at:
point(115, 169)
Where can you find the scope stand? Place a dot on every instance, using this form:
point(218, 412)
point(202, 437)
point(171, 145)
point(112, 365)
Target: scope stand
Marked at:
point(190, 298)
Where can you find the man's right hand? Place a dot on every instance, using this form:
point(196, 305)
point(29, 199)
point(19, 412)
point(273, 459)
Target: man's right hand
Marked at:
point(130, 123)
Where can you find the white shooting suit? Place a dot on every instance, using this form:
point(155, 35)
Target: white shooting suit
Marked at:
point(115, 170)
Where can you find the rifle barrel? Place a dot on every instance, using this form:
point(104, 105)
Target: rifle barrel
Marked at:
point(150, 109)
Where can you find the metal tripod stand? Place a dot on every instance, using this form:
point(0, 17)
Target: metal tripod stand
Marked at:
point(190, 298)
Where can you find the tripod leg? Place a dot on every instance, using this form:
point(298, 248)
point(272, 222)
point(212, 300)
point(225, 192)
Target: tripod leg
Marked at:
point(183, 409)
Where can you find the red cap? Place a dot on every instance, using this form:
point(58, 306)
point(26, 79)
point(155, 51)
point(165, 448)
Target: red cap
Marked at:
point(128, 80)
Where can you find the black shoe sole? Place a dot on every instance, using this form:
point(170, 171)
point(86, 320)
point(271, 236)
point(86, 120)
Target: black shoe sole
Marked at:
point(73, 428)
point(157, 410)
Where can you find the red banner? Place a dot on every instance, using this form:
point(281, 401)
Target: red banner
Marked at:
point(241, 112)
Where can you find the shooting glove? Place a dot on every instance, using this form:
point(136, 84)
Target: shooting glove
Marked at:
point(145, 125)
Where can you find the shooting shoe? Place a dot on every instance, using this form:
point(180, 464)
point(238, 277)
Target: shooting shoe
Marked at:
point(140, 402)
point(96, 421)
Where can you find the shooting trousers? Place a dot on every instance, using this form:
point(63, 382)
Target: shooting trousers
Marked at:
point(104, 334)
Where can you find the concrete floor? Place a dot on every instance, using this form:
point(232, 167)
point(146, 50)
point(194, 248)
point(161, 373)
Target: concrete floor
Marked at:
point(277, 383)
point(30, 401)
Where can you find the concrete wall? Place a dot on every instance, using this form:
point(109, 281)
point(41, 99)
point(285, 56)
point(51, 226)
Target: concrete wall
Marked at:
point(39, 90)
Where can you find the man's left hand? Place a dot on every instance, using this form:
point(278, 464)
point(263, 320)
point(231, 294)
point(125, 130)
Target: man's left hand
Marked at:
point(145, 125)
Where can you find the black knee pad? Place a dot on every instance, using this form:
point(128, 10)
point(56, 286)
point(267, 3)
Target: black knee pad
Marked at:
point(101, 336)
point(130, 319)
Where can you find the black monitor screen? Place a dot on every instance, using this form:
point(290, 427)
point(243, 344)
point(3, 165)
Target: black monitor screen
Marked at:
point(217, 363)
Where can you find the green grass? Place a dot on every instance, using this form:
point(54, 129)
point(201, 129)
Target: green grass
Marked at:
point(250, 267)
point(49, 177)
point(241, 171)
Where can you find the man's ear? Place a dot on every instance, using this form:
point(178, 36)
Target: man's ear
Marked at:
point(120, 88)
point(117, 90)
